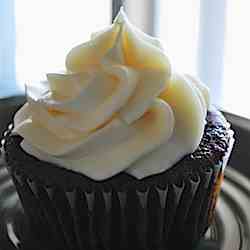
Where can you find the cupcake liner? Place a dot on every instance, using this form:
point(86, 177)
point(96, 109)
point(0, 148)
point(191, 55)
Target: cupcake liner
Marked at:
point(144, 215)
point(149, 216)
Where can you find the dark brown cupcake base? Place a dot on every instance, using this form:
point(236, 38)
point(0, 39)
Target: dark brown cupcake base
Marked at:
point(171, 210)
point(155, 217)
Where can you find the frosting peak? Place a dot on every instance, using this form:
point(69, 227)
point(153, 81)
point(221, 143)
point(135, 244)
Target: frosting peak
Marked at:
point(114, 106)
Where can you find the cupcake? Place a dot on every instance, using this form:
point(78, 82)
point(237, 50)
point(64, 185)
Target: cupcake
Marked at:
point(118, 151)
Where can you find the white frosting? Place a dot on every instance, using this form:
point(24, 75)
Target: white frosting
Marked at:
point(116, 108)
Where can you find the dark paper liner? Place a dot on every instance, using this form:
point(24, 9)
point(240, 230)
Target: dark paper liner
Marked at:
point(146, 216)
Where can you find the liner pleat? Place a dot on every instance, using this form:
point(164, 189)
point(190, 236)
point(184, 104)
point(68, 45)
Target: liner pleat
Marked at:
point(194, 219)
point(206, 180)
point(122, 199)
point(146, 216)
point(157, 216)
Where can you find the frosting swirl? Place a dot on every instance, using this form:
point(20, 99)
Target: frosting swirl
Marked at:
point(117, 107)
